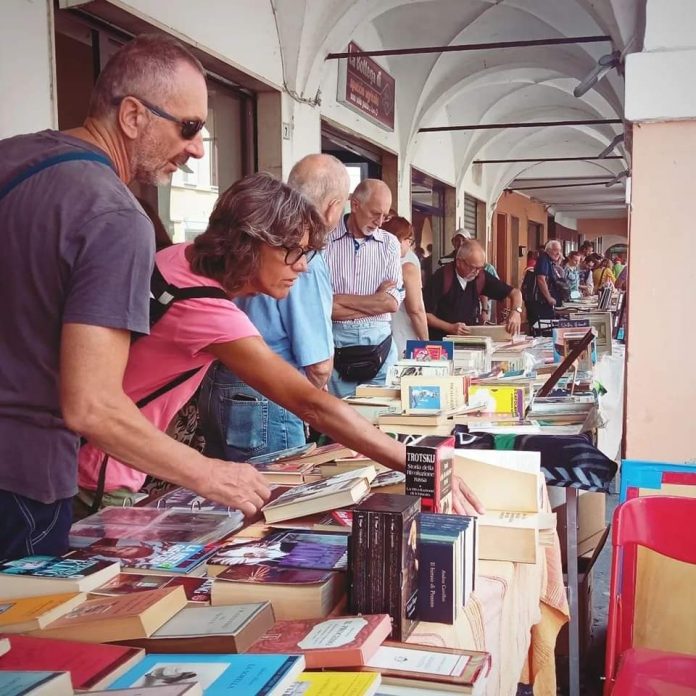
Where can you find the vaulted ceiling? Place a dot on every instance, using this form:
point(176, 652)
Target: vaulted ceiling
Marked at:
point(497, 85)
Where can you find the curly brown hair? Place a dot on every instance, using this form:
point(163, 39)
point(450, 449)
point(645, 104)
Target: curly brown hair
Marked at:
point(256, 210)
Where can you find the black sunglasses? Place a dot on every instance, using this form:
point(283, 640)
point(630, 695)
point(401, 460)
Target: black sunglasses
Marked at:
point(294, 254)
point(189, 127)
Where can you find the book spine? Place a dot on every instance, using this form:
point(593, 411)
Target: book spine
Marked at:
point(376, 561)
point(393, 560)
point(360, 553)
point(436, 587)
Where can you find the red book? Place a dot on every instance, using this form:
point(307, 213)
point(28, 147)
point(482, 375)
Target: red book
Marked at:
point(343, 641)
point(91, 665)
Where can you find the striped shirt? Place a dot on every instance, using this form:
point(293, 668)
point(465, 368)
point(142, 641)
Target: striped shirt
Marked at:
point(360, 268)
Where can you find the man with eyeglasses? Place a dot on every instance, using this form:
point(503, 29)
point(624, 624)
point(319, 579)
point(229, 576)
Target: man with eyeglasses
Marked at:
point(453, 294)
point(365, 267)
point(76, 264)
point(298, 328)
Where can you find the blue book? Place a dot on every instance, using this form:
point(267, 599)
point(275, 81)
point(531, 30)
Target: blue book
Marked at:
point(437, 580)
point(20, 683)
point(218, 675)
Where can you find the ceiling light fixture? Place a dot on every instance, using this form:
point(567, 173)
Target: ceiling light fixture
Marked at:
point(604, 65)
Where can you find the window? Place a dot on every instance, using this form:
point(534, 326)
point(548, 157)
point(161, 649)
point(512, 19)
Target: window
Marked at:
point(474, 221)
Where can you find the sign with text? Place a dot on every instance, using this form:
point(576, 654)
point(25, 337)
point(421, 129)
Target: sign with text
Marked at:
point(366, 87)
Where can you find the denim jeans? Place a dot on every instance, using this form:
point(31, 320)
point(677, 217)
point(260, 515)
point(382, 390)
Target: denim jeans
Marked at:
point(29, 527)
point(361, 335)
point(238, 422)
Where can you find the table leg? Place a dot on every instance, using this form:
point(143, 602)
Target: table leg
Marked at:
point(572, 567)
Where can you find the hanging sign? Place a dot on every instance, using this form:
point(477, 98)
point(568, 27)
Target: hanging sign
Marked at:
point(367, 88)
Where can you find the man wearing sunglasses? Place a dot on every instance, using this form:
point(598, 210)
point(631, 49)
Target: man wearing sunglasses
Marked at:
point(298, 328)
point(76, 264)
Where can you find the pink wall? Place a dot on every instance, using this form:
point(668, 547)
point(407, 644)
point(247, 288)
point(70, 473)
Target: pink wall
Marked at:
point(660, 379)
point(603, 227)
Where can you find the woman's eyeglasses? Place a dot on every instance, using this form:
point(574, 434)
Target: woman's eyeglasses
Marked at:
point(294, 254)
point(189, 127)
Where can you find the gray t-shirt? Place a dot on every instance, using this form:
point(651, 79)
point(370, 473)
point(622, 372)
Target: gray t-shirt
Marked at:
point(76, 248)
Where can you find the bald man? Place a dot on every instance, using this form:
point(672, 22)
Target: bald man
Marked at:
point(238, 421)
point(453, 293)
point(365, 268)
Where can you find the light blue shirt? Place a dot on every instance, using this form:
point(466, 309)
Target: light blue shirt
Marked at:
point(298, 328)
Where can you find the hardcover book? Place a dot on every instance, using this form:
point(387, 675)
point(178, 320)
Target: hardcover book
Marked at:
point(335, 684)
point(429, 472)
point(149, 557)
point(227, 629)
point(295, 593)
point(346, 641)
point(328, 494)
point(383, 552)
point(23, 614)
point(45, 575)
point(218, 675)
point(111, 619)
point(35, 684)
point(91, 666)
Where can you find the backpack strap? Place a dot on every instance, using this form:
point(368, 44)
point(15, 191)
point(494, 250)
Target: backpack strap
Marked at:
point(50, 162)
point(172, 384)
point(447, 277)
point(162, 296)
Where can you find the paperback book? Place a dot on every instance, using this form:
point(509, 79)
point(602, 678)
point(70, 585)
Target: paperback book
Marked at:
point(112, 619)
point(197, 589)
point(91, 666)
point(185, 500)
point(224, 629)
point(383, 552)
point(149, 557)
point(328, 494)
point(152, 524)
point(295, 593)
point(218, 675)
point(45, 575)
point(287, 549)
point(335, 684)
point(432, 394)
point(23, 614)
point(429, 350)
point(346, 641)
point(35, 684)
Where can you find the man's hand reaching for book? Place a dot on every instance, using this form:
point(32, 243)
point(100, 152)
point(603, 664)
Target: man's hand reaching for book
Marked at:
point(464, 500)
point(238, 485)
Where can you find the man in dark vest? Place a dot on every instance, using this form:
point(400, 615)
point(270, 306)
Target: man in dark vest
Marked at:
point(453, 294)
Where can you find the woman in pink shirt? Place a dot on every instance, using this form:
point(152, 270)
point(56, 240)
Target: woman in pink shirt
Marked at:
point(260, 237)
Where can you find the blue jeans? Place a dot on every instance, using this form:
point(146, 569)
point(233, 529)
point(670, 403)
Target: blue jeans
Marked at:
point(238, 422)
point(28, 527)
point(361, 335)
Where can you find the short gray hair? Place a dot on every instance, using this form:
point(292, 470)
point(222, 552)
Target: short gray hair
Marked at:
point(320, 178)
point(144, 68)
point(551, 244)
point(365, 189)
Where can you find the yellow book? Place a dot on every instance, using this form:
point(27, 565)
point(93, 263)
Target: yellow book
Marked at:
point(501, 399)
point(337, 683)
point(23, 614)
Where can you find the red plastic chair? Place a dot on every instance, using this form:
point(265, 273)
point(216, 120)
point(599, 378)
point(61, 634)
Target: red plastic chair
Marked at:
point(663, 524)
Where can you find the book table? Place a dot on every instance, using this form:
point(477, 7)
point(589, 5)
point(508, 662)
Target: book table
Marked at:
point(515, 613)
